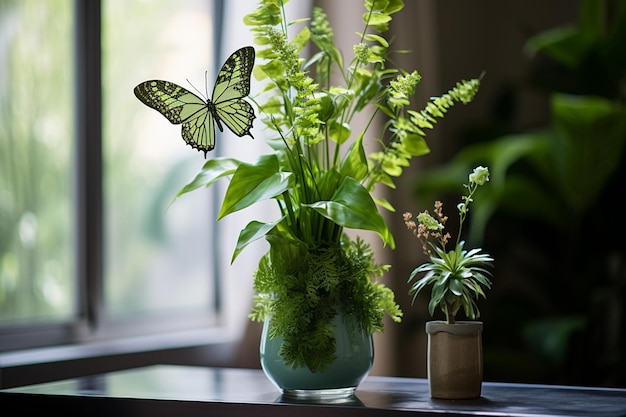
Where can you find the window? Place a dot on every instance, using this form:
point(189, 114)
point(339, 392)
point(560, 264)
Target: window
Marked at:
point(90, 245)
point(87, 173)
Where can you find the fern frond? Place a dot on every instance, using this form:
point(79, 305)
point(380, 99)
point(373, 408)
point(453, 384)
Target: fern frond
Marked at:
point(301, 296)
point(409, 138)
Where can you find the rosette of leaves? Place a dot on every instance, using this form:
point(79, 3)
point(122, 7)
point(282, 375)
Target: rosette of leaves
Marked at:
point(319, 173)
point(457, 278)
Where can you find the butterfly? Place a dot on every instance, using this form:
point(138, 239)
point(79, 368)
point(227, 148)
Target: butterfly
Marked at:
point(199, 117)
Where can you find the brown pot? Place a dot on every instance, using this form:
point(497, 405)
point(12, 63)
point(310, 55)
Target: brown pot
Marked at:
point(455, 359)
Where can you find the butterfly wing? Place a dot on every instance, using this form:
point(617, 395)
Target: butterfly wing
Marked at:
point(233, 83)
point(199, 132)
point(180, 106)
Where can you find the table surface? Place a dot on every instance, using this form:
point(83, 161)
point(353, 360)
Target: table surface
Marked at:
point(188, 391)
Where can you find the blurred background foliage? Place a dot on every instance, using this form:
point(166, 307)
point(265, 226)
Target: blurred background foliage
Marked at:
point(551, 216)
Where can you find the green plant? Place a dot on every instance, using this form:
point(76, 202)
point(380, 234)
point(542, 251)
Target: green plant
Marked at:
point(320, 175)
point(457, 276)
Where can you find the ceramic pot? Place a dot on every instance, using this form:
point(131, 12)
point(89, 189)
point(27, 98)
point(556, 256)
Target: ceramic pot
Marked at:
point(455, 359)
point(354, 358)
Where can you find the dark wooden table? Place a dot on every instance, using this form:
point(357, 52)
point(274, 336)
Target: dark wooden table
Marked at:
point(167, 390)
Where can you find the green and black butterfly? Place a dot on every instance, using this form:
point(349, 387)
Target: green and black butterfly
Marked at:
point(198, 117)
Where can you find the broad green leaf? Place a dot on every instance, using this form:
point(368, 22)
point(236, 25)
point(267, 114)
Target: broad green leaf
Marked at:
point(255, 182)
point(352, 206)
point(327, 111)
point(456, 287)
point(339, 132)
point(283, 242)
point(212, 170)
point(588, 145)
point(564, 44)
point(253, 231)
point(355, 162)
point(367, 87)
point(436, 297)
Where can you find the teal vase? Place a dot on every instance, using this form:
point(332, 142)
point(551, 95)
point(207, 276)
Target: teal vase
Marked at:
point(354, 358)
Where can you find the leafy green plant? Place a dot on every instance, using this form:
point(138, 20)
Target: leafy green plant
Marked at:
point(303, 297)
point(457, 276)
point(320, 175)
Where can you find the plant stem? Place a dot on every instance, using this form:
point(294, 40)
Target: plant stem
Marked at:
point(464, 208)
point(449, 316)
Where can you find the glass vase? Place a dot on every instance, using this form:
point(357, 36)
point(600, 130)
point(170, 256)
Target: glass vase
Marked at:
point(354, 358)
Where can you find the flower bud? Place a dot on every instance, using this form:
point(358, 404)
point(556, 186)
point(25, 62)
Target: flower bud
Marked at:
point(479, 176)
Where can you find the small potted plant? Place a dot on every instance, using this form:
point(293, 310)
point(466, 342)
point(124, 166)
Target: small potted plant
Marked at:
point(457, 278)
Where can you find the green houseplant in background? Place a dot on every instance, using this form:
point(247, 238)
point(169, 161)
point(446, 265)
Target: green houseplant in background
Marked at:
point(457, 278)
point(316, 288)
point(556, 181)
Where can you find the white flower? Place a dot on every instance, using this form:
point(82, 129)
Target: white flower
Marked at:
point(479, 176)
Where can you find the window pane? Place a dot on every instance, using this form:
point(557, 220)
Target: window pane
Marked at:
point(158, 257)
point(36, 168)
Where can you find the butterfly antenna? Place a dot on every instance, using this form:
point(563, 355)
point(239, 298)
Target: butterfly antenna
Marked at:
point(197, 91)
point(206, 82)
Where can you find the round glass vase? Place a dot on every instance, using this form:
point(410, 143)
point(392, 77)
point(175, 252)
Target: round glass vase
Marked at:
point(354, 358)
